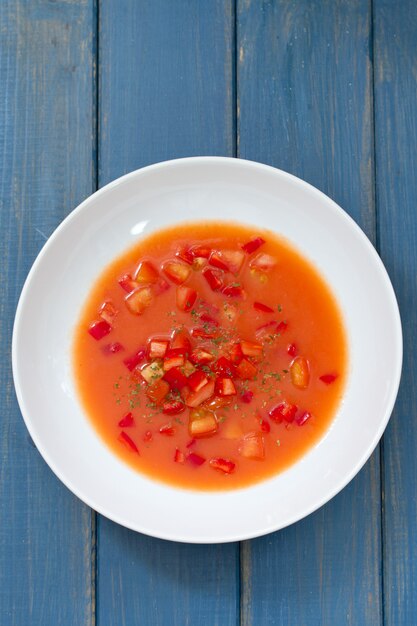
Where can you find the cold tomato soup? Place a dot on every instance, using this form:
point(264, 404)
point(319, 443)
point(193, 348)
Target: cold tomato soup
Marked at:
point(210, 356)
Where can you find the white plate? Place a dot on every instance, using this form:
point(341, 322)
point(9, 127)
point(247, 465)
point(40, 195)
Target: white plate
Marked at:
point(112, 220)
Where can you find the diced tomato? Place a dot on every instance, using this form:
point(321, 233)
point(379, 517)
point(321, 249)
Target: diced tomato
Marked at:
point(264, 262)
point(247, 396)
point(176, 379)
point(195, 459)
point(281, 328)
point(233, 291)
point(207, 319)
point(202, 333)
point(252, 446)
point(198, 397)
point(234, 260)
point(224, 366)
point(147, 437)
point(214, 278)
point(225, 387)
point(292, 349)
point(157, 348)
point(181, 339)
point(179, 457)
point(108, 312)
point(284, 410)
point(132, 361)
point(216, 260)
point(328, 379)
point(200, 356)
point(173, 407)
point(246, 370)
point(224, 465)
point(173, 361)
point(113, 348)
point(186, 298)
point(201, 251)
point(186, 255)
point(264, 330)
point(128, 442)
point(176, 271)
point(168, 430)
point(139, 300)
point(126, 421)
point(300, 372)
point(146, 273)
point(161, 286)
point(157, 391)
point(188, 368)
point(99, 329)
point(197, 380)
point(303, 419)
point(265, 426)
point(202, 423)
point(253, 245)
point(152, 372)
point(216, 402)
point(236, 354)
point(254, 350)
point(127, 283)
point(259, 306)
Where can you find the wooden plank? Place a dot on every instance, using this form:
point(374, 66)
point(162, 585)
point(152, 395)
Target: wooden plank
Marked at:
point(166, 91)
point(305, 105)
point(395, 32)
point(46, 146)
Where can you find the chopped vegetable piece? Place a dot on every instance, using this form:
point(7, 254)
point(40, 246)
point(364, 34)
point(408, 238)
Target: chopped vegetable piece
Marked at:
point(152, 372)
point(254, 350)
point(303, 418)
point(186, 255)
point(176, 379)
point(176, 271)
point(262, 307)
point(300, 372)
point(173, 361)
point(126, 421)
point(128, 442)
point(179, 457)
point(281, 328)
point(195, 459)
point(186, 298)
point(200, 356)
point(207, 319)
point(198, 397)
point(233, 291)
point(200, 251)
point(227, 260)
point(127, 283)
point(197, 380)
point(247, 396)
point(108, 312)
point(224, 367)
point(147, 437)
point(146, 273)
point(292, 349)
point(157, 348)
point(264, 262)
point(225, 387)
point(265, 330)
point(201, 332)
point(252, 446)
point(328, 379)
point(168, 430)
point(214, 278)
point(139, 300)
point(265, 426)
point(283, 410)
point(224, 465)
point(161, 286)
point(181, 339)
point(99, 329)
point(230, 311)
point(191, 443)
point(112, 348)
point(246, 370)
point(157, 391)
point(132, 361)
point(216, 260)
point(236, 354)
point(173, 407)
point(202, 423)
point(253, 245)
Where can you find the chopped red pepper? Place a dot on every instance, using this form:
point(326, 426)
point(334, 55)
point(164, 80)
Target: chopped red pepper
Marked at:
point(167, 430)
point(224, 367)
point(281, 328)
point(214, 278)
point(108, 312)
point(173, 407)
point(132, 361)
point(254, 350)
point(147, 437)
point(177, 272)
point(126, 421)
point(247, 396)
point(181, 339)
point(253, 245)
point(292, 349)
point(186, 298)
point(207, 319)
point(176, 379)
point(199, 356)
point(157, 348)
point(186, 255)
point(128, 442)
point(197, 380)
point(146, 273)
point(236, 354)
point(246, 370)
point(265, 426)
point(127, 283)
point(198, 397)
point(99, 329)
point(202, 333)
point(233, 291)
point(328, 379)
point(303, 418)
point(224, 465)
point(283, 410)
point(179, 457)
point(259, 306)
point(225, 387)
point(112, 348)
point(200, 251)
point(195, 459)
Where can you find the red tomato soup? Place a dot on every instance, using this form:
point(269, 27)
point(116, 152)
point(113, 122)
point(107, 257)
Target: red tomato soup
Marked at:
point(210, 356)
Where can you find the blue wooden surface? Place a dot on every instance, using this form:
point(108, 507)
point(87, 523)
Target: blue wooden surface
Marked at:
point(326, 89)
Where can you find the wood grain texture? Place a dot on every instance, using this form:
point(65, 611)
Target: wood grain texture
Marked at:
point(166, 90)
point(395, 58)
point(305, 105)
point(46, 166)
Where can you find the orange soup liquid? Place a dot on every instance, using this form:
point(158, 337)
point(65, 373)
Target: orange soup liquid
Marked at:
point(277, 308)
